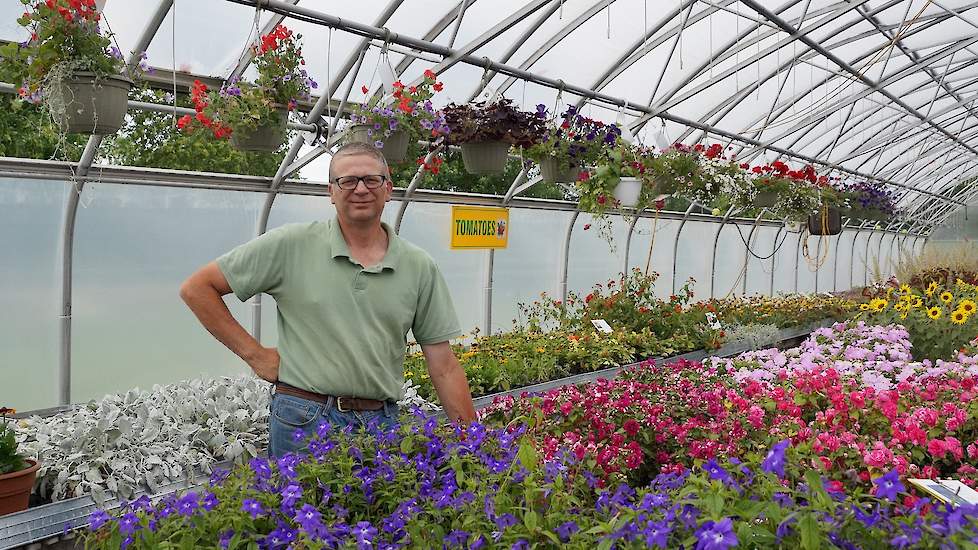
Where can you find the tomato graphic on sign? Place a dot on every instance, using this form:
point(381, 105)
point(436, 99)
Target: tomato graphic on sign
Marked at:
point(500, 228)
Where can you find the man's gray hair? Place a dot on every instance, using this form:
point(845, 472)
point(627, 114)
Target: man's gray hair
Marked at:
point(358, 148)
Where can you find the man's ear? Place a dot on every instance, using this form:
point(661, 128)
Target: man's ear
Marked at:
point(332, 192)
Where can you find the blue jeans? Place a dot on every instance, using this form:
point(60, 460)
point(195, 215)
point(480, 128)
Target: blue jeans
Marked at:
point(291, 414)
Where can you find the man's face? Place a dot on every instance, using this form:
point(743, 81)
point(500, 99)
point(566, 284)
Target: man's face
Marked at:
point(360, 204)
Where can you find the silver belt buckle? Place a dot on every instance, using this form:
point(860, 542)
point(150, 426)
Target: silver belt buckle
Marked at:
point(339, 405)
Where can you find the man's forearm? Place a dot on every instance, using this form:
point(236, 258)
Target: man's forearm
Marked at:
point(210, 309)
point(453, 392)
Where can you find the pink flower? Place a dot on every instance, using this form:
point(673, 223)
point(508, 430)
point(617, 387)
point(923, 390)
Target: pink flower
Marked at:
point(936, 448)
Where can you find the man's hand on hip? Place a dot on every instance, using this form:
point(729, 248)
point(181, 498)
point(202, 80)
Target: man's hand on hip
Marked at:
point(265, 363)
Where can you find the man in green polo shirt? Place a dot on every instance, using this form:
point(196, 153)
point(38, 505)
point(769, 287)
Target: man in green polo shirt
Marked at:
point(348, 290)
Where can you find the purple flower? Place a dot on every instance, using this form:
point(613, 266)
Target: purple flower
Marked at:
point(97, 519)
point(225, 539)
point(657, 534)
point(566, 529)
point(888, 485)
point(287, 464)
point(364, 533)
point(869, 519)
point(115, 52)
point(188, 503)
point(716, 472)
point(210, 502)
point(784, 529)
point(298, 435)
point(457, 537)
point(541, 111)
point(716, 535)
point(309, 518)
point(128, 523)
point(253, 507)
point(520, 545)
point(261, 468)
point(290, 495)
point(774, 461)
point(379, 144)
point(688, 515)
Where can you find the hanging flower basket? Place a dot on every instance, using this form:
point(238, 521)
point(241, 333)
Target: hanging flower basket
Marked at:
point(87, 104)
point(628, 191)
point(266, 138)
point(554, 170)
point(394, 146)
point(15, 488)
point(486, 157)
point(765, 199)
point(826, 221)
point(873, 214)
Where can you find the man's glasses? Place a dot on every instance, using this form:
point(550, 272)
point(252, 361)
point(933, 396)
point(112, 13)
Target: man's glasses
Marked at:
point(349, 183)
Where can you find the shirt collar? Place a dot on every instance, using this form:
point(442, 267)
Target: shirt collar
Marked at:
point(339, 248)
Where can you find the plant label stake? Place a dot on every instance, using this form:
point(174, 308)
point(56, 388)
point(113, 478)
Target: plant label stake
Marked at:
point(602, 325)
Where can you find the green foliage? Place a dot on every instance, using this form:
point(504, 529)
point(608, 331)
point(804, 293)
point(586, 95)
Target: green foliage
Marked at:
point(26, 131)
point(452, 176)
point(152, 140)
point(10, 461)
point(65, 37)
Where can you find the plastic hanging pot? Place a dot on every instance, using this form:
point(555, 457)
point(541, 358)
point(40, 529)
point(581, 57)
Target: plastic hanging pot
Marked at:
point(826, 221)
point(628, 191)
point(15, 488)
point(87, 104)
point(266, 138)
point(555, 170)
point(394, 146)
point(766, 199)
point(485, 157)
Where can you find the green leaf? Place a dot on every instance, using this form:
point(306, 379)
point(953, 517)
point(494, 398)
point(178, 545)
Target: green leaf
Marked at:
point(407, 445)
point(810, 536)
point(527, 455)
point(531, 520)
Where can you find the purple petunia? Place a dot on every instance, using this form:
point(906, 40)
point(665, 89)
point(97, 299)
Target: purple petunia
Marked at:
point(774, 461)
point(657, 534)
point(128, 523)
point(188, 504)
point(888, 485)
point(253, 507)
point(225, 539)
point(457, 537)
point(717, 472)
point(97, 519)
point(716, 535)
point(566, 529)
point(210, 502)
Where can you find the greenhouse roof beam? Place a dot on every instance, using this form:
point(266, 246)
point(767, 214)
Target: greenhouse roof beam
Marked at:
point(248, 55)
point(904, 72)
point(876, 86)
point(375, 32)
point(435, 31)
point(715, 115)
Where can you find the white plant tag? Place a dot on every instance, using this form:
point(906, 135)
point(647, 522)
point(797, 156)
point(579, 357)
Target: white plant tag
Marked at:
point(602, 325)
point(714, 322)
point(387, 73)
point(626, 134)
point(950, 491)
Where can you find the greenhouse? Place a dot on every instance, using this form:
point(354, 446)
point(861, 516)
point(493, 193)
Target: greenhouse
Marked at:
point(488, 274)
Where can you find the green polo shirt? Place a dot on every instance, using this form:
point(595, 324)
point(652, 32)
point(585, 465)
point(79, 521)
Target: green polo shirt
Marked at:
point(342, 328)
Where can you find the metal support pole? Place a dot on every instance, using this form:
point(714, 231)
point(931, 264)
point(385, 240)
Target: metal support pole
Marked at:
point(713, 259)
point(675, 245)
point(70, 215)
point(487, 292)
point(628, 244)
point(774, 255)
point(565, 260)
point(797, 259)
point(835, 268)
point(747, 249)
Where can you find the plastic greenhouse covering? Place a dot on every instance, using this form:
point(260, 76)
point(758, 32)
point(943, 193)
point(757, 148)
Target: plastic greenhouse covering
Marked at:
point(883, 92)
point(870, 88)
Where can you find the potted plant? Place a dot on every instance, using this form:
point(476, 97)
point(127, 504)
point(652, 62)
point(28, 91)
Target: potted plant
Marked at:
point(870, 201)
point(568, 147)
point(486, 131)
point(397, 129)
point(254, 116)
point(69, 66)
point(16, 473)
point(623, 180)
point(677, 171)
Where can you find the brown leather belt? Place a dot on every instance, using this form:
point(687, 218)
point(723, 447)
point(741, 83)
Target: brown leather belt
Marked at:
point(343, 404)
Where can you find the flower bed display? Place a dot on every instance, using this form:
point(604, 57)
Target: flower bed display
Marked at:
point(432, 486)
point(784, 310)
point(941, 320)
point(850, 399)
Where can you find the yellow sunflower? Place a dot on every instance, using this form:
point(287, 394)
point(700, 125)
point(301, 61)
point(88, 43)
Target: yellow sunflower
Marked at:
point(931, 288)
point(918, 302)
point(905, 288)
point(900, 306)
point(878, 304)
point(946, 297)
point(934, 313)
point(864, 307)
point(959, 317)
point(968, 306)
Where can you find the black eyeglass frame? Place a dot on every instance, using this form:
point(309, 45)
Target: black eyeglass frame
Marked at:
point(357, 179)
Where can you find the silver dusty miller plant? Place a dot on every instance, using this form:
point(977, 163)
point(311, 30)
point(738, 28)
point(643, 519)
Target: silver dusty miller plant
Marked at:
point(139, 441)
point(753, 335)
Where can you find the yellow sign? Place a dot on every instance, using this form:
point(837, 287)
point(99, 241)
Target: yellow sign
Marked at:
point(479, 227)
